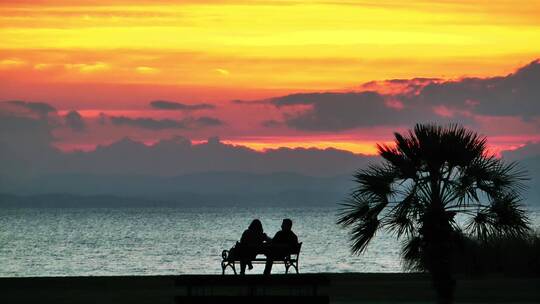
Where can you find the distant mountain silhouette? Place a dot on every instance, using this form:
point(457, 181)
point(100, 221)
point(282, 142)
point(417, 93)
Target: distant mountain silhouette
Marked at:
point(532, 165)
point(211, 188)
point(180, 171)
point(528, 158)
point(32, 156)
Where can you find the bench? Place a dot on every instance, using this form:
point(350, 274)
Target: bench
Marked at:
point(290, 260)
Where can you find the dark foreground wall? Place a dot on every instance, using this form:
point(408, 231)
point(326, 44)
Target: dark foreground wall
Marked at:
point(305, 288)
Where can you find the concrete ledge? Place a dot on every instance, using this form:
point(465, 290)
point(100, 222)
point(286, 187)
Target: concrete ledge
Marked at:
point(303, 288)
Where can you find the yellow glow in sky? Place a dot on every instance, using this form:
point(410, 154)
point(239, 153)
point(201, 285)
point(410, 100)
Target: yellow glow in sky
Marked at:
point(313, 45)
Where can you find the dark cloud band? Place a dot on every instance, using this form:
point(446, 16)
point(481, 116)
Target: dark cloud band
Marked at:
point(178, 106)
point(39, 108)
point(163, 124)
point(75, 121)
point(420, 100)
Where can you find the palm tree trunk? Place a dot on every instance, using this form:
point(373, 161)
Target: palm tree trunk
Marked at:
point(442, 277)
point(439, 247)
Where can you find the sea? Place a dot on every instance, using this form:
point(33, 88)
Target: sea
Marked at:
point(174, 241)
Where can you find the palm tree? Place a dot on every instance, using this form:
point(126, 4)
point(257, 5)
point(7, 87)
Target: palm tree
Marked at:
point(433, 186)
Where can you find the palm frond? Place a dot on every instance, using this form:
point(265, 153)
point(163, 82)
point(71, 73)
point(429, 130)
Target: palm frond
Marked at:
point(412, 254)
point(480, 225)
point(509, 218)
point(461, 145)
point(495, 177)
point(362, 233)
point(352, 210)
point(402, 217)
point(503, 217)
point(375, 182)
point(400, 225)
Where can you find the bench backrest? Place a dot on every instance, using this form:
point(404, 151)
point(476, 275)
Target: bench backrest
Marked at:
point(297, 249)
point(233, 256)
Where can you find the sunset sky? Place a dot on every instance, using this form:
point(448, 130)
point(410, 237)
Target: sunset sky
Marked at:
point(267, 74)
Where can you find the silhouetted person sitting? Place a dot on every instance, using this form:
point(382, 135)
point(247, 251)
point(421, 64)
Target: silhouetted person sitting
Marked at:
point(281, 245)
point(250, 243)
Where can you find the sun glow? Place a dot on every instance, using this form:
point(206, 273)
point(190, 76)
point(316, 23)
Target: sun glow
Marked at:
point(357, 147)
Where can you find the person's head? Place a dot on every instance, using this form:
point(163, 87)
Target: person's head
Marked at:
point(256, 225)
point(286, 224)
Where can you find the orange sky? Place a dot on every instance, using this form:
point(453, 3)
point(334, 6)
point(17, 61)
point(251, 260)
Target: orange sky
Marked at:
point(118, 55)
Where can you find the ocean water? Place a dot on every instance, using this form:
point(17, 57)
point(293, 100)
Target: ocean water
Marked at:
point(172, 241)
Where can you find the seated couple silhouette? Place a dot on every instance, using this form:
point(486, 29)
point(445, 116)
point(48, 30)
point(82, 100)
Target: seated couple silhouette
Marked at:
point(255, 241)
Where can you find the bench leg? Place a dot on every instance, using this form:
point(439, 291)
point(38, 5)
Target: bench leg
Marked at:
point(225, 265)
point(289, 265)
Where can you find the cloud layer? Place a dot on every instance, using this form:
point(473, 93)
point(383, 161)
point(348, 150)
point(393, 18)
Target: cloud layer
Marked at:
point(172, 105)
point(418, 100)
point(75, 121)
point(163, 124)
point(502, 106)
point(516, 94)
point(39, 108)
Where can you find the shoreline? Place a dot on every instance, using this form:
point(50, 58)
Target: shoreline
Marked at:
point(303, 288)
